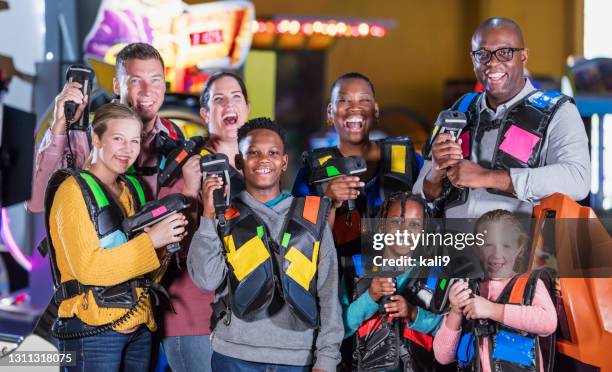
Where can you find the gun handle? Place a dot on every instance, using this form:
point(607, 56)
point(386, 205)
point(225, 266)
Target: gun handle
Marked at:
point(219, 201)
point(173, 248)
point(350, 204)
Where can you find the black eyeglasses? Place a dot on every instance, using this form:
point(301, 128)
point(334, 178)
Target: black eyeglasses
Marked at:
point(483, 55)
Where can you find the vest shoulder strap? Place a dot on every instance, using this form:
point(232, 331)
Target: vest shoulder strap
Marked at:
point(547, 101)
point(521, 289)
point(174, 132)
point(466, 104)
point(135, 188)
point(399, 166)
point(312, 212)
point(318, 157)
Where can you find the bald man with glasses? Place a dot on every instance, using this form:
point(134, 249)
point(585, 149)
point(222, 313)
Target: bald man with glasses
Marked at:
point(520, 144)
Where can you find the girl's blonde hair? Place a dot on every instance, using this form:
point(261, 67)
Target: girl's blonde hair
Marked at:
point(511, 222)
point(106, 113)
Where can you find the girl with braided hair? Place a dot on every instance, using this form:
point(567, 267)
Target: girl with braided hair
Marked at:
point(372, 304)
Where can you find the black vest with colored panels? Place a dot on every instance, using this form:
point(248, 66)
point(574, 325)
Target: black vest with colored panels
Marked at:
point(106, 215)
point(261, 268)
point(521, 135)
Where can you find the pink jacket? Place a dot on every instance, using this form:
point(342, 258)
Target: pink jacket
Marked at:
point(51, 156)
point(539, 318)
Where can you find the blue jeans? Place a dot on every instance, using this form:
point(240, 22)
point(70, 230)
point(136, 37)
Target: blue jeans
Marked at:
point(107, 351)
point(223, 363)
point(188, 353)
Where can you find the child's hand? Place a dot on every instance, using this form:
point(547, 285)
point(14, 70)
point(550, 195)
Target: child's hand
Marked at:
point(458, 295)
point(398, 307)
point(381, 287)
point(211, 183)
point(480, 308)
point(343, 188)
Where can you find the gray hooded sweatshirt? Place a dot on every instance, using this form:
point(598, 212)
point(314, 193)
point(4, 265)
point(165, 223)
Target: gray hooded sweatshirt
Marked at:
point(280, 338)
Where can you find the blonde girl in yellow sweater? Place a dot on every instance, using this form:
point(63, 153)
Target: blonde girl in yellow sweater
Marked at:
point(102, 272)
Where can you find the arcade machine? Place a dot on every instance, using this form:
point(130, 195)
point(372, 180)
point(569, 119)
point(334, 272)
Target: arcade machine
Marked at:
point(591, 85)
point(571, 236)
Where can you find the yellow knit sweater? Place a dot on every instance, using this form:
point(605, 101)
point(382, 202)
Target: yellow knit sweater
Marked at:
point(79, 256)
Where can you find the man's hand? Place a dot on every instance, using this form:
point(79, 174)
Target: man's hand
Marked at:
point(192, 176)
point(468, 174)
point(445, 152)
point(381, 287)
point(343, 188)
point(71, 92)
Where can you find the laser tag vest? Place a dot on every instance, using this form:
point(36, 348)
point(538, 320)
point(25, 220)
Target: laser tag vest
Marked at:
point(510, 349)
point(106, 215)
point(521, 134)
point(380, 342)
point(259, 266)
point(397, 171)
point(174, 134)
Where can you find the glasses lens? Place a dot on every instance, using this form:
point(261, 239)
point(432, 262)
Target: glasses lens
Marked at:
point(482, 56)
point(504, 54)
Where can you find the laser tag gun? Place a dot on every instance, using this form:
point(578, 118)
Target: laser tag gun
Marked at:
point(429, 286)
point(83, 75)
point(171, 165)
point(218, 164)
point(453, 122)
point(164, 145)
point(153, 212)
point(335, 167)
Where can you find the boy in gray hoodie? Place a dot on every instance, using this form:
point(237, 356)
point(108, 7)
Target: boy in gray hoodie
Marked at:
point(280, 292)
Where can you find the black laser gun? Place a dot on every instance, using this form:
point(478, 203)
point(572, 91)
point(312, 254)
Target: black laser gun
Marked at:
point(153, 212)
point(84, 76)
point(171, 165)
point(430, 286)
point(340, 166)
point(218, 164)
point(451, 121)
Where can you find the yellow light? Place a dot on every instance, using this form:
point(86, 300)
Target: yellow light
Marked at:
point(377, 31)
point(254, 26)
point(294, 27)
point(270, 28)
point(341, 27)
point(317, 27)
point(331, 29)
point(283, 26)
point(364, 29)
point(307, 28)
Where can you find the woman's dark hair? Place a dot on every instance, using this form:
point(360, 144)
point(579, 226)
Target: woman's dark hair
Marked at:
point(205, 96)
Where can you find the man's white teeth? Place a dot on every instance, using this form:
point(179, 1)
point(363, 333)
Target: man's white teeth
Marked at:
point(263, 170)
point(495, 76)
point(145, 104)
